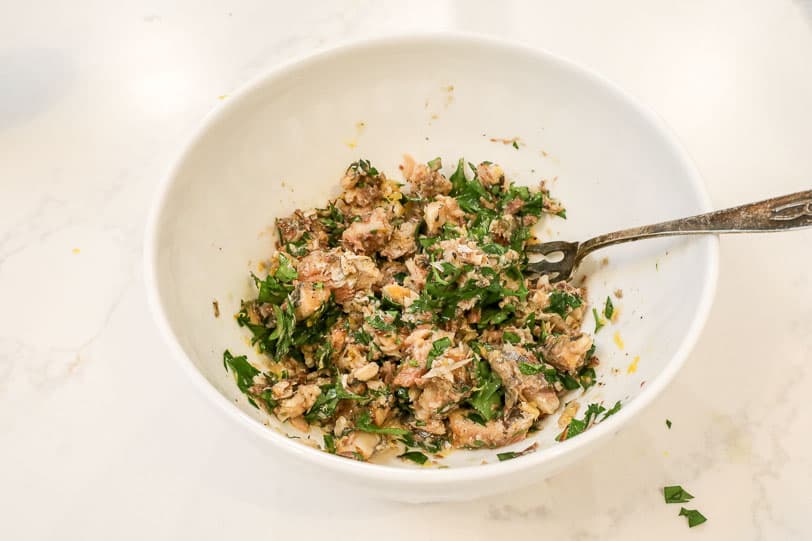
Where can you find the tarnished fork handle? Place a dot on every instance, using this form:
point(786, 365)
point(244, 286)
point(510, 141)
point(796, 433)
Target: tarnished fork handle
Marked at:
point(783, 213)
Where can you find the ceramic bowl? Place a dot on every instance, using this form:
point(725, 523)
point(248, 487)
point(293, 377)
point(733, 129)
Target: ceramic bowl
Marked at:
point(282, 143)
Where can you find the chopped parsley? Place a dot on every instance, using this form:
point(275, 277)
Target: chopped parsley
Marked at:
point(378, 323)
point(577, 426)
point(487, 398)
point(614, 409)
point(531, 369)
point(283, 332)
point(599, 323)
point(364, 424)
point(695, 518)
point(668, 423)
point(438, 347)
point(510, 455)
point(363, 167)
point(609, 308)
point(676, 494)
point(561, 302)
point(414, 456)
point(325, 406)
point(244, 373)
point(329, 444)
point(511, 337)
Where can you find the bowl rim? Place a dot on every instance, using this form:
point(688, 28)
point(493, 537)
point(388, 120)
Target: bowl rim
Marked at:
point(428, 476)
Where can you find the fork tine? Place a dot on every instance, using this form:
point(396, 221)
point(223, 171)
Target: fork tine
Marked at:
point(556, 271)
point(545, 248)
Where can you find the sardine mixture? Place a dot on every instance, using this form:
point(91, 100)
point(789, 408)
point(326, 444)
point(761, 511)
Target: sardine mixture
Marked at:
point(399, 315)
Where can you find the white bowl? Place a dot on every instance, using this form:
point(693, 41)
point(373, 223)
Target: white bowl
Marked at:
point(283, 141)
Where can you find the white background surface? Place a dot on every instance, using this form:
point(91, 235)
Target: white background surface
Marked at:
point(101, 437)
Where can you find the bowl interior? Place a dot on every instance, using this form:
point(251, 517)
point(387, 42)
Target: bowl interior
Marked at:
point(284, 142)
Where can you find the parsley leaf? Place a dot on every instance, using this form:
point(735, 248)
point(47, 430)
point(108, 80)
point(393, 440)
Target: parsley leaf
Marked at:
point(577, 426)
point(668, 423)
point(598, 321)
point(515, 145)
point(283, 332)
point(509, 455)
point(364, 424)
point(414, 456)
point(259, 331)
point(244, 374)
point(614, 409)
point(676, 494)
point(560, 301)
point(271, 289)
point(437, 349)
point(363, 167)
point(243, 371)
point(587, 377)
point(487, 398)
point(695, 518)
point(531, 369)
point(609, 308)
point(329, 444)
point(436, 164)
point(285, 272)
point(325, 406)
point(511, 337)
point(458, 179)
point(378, 323)
point(569, 382)
point(477, 418)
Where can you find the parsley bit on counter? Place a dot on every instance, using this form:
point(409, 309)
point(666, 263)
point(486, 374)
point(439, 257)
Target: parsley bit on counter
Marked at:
point(695, 518)
point(676, 494)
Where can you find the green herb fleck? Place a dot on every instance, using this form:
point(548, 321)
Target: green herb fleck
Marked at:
point(285, 272)
point(243, 371)
point(614, 409)
point(511, 337)
point(325, 406)
point(364, 424)
point(437, 349)
point(487, 398)
point(598, 321)
point(244, 374)
point(561, 301)
point(329, 444)
point(577, 426)
point(609, 308)
point(531, 369)
point(378, 323)
point(668, 423)
point(695, 518)
point(515, 145)
point(283, 332)
point(477, 418)
point(509, 455)
point(676, 494)
point(414, 456)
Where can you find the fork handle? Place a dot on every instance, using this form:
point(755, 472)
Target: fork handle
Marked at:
point(793, 211)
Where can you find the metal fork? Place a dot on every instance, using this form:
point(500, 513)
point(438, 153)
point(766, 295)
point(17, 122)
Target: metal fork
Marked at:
point(783, 213)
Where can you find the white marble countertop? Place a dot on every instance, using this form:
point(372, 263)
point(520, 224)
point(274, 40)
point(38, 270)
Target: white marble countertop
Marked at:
point(101, 437)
